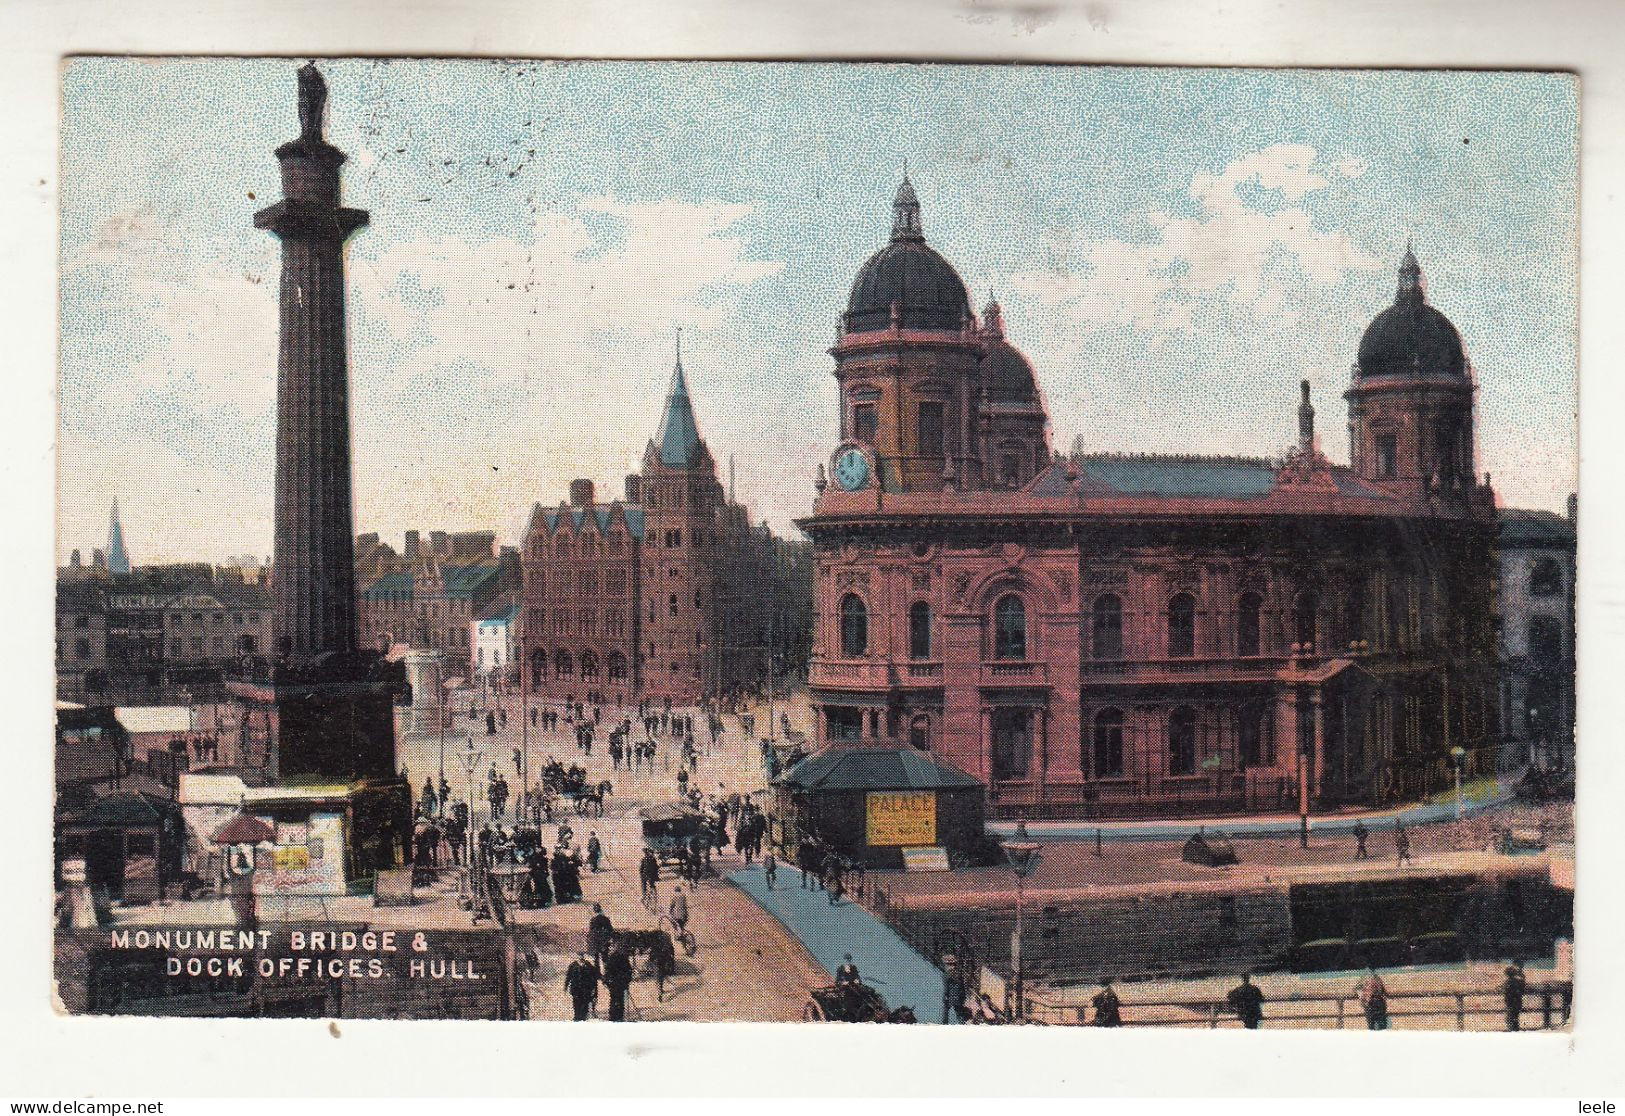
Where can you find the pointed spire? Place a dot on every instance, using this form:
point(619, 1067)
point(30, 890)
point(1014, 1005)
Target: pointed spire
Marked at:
point(118, 559)
point(1306, 421)
point(993, 317)
point(905, 206)
point(678, 438)
point(1410, 275)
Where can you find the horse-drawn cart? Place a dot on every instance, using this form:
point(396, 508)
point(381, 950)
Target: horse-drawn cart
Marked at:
point(854, 1002)
point(670, 828)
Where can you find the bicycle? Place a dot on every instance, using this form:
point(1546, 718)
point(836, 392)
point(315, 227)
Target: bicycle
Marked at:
point(682, 935)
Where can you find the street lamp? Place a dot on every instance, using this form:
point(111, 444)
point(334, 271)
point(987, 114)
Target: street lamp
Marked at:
point(1023, 856)
point(471, 759)
point(1457, 754)
point(444, 716)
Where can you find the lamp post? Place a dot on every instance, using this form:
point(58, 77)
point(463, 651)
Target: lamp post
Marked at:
point(471, 759)
point(1457, 754)
point(440, 712)
point(524, 719)
point(1023, 856)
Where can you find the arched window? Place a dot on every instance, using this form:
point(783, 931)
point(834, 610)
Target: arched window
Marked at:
point(919, 630)
point(1108, 744)
point(1303, 620)
point(854, 626)
point(1010, 628)
point(1248, 609)
point(1181, 626)
point(1545, 578)
point(919, 732)
point(589, 667)
point(563, 667)
point(538, 667)
point(1107, 629)
point(617, 667)
point(1182, 741)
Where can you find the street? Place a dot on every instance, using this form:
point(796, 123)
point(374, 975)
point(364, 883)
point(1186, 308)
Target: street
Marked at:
point(746, 967)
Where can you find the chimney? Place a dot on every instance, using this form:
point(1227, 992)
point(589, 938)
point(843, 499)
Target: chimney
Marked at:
point(1306, 421)
point(98, 559)
point(440, 544)
point(1574, 510)
point(581, 493)
point(74, 560)
point(634, 488)
point(411, 551)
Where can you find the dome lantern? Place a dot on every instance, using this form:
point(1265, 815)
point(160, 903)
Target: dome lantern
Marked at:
point(905, 208)
point(907, 284)
point(1411, 338)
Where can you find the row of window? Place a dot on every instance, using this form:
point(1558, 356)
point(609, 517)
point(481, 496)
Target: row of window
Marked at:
point(1106, 626)
point(581, 622)
point(245, 645)
point(563, 665)
point(582, 581)
point(564, 546)
point(673, 495)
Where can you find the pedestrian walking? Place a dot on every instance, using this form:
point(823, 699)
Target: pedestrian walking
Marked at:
point(834, 881)
point(663, 960)
point(600, 932)
point(1108, 1008)
point(617, 978)
point(1402, 845)
point(1247, 1002)
point(1361, 834)
point(581, 982)
point(770, 869)
point(648, 873)
point(1512, 992)
point(678, 911)
point(594, 851)
point(1373, 1000)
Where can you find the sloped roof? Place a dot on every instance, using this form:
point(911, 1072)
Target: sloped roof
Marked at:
point(1519, 527)
point(398, 582)
point(602, 514)
point(468, 579)
point(128, 810)
point(678, 437)
point(1177, 476)
point(861, 769)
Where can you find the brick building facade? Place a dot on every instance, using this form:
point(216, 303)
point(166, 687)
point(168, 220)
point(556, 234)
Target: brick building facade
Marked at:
point(1105, 634)
point(666, 593)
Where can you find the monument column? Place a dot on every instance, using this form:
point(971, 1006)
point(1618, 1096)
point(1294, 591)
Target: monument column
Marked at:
point(313, 578)
point(331, 704)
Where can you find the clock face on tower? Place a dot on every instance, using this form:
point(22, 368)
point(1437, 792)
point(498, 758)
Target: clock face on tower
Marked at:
point(851, 468)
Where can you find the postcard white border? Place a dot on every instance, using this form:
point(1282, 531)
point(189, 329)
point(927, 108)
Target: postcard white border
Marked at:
point(53, 1056)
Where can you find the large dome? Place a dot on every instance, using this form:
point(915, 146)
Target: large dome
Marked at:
point(1410, 337)
point(1007, 375)
point(928, 292)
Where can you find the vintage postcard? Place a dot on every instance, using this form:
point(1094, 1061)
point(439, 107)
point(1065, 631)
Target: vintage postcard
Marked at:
point(949, 545)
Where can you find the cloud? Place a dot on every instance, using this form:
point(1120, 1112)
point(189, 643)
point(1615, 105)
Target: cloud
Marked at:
point(1236, 254)
point(1351, 166)
point(484, 374)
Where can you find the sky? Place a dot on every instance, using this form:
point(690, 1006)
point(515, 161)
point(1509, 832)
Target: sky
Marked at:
point(1174, 249)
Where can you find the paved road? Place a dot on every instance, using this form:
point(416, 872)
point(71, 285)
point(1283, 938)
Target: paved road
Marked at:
point(748, 967)
point(830, 931)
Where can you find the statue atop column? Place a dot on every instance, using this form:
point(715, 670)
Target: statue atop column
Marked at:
point(312, 100)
